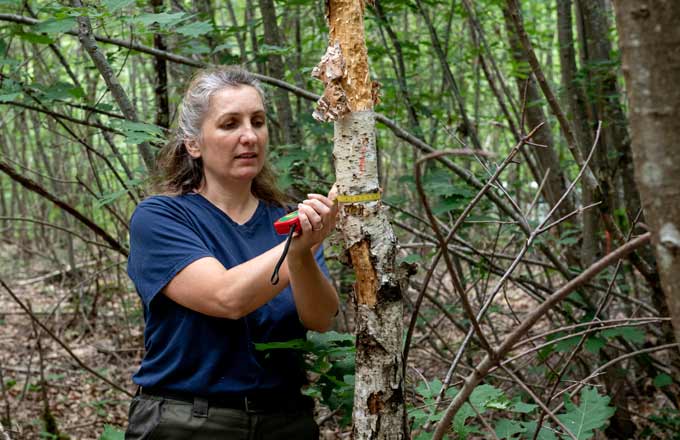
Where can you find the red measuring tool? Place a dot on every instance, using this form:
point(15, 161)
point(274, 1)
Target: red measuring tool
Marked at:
point(286, 225)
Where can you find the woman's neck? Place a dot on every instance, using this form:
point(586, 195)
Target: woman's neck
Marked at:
point(235, 201)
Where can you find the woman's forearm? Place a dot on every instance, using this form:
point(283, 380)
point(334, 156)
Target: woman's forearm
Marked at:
point(315, 297)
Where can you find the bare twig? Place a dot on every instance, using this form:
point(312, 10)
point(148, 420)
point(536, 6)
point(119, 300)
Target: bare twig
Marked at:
point(487, 363)
point(540, 403)
point(38, 189)
point(105, 70)
point(614, 361)
point(60, 342)
point(444, 251)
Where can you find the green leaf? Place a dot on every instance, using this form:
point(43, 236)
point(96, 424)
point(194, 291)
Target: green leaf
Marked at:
point(505, 428)
point(295, 344)
point(483, 397)
point(331, 337)
point(62, 90)
point(8, 97)
point(413, 258)
point(114, 5)
point(487, 396)
point(111, 197)
point(592, 413)
point(446, 205)
point(544, 434)
point(138, 132)
point(662, 380)
point(567, 345)
point(111, 433)
point(524, 408)
point(630, 334)
point(55, 25)
point(163, 18)
point(35, 38)
point(594, 344)
point(195, 29)
point(268, 49)
point(431, 390)
point(224, 46)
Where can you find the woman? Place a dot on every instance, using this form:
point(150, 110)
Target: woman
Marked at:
point(201, 258)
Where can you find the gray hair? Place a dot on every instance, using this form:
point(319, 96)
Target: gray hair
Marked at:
point(205, 84)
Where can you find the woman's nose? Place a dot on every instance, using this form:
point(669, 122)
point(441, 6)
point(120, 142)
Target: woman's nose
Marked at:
point(248, 135)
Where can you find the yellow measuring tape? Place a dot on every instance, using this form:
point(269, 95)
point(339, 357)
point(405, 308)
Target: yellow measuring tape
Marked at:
point(359, 198)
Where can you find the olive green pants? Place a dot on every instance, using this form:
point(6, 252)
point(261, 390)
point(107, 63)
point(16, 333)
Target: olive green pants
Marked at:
point(153, 417)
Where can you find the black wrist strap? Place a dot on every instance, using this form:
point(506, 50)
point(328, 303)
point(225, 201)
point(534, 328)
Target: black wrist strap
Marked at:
point(275, 275)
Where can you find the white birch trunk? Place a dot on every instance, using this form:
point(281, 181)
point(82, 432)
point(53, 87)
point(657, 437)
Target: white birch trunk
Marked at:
point(370, 240)
point(348, 100)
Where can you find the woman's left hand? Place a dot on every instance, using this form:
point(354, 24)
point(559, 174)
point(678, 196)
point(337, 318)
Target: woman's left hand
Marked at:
point(317, 216)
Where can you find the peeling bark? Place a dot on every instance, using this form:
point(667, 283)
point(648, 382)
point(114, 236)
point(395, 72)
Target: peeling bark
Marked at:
point(348, 100)
point(371, 243)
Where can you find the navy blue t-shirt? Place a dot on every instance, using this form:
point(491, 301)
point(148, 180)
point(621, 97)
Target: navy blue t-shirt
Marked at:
point(186, 351)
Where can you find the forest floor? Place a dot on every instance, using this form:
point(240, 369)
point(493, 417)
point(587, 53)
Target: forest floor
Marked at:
point(110, 343)
point(97, 314)
point(80, 403)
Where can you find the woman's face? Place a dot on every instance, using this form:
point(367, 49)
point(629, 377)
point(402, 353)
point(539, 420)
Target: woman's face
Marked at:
point(233, 135)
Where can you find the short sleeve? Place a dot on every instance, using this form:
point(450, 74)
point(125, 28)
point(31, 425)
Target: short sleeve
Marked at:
point(321, 261)
point(162, 243)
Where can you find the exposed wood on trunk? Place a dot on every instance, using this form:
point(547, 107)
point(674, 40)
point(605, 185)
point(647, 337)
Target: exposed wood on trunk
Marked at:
point(379, 411)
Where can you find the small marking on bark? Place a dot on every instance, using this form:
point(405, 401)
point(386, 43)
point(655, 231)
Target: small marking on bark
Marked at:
point(362, 156)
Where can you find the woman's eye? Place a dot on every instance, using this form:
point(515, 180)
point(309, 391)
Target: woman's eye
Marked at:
point(229, 124)
point(259, 123)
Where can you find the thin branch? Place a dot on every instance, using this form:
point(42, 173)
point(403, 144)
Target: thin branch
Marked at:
point(540, 403)
point(35, 187)
point(60, 342)
point(444, 250)
point(117, 91)
point(510, 341)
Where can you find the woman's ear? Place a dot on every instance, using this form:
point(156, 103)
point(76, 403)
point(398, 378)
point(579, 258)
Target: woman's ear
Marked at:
point(192, 148)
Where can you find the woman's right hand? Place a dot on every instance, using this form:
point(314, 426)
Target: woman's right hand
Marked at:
point(317, 216)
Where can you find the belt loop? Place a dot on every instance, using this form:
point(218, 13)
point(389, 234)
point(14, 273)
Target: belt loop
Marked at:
point(245, 404)
point(200, 408)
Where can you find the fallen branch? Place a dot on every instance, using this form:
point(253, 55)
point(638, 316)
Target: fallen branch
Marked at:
point(60, 342)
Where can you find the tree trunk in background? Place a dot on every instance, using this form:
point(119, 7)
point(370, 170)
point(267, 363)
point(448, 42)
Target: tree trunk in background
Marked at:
point(272, 37)
point(348, 99)
point(615, 161)
point(207, 12)
point(649, 38)
point(160, 65)
point(576, 103)
point(546, 157)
